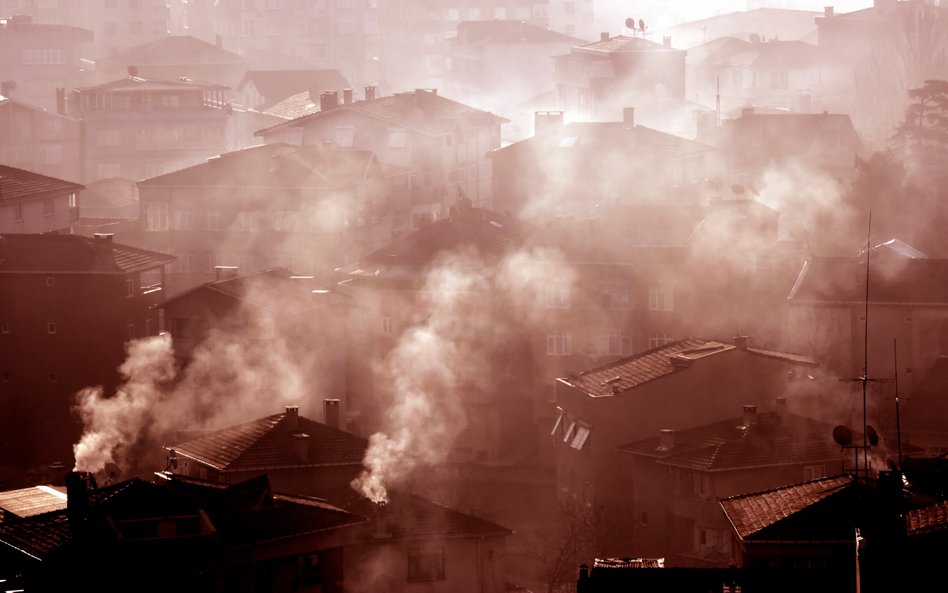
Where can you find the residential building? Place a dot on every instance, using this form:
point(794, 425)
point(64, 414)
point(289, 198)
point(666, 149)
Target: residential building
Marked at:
point(34, 203)
point(297, 454)
point(119, 25)
point(174, 57)
point(758, 23)
point(441, 142)
point(496, 64)
point(111, 199)
point(680, 385)
point(262, 89)
point(37, 59)
point(306, 208)
point(681, 475)
point(923, 410)
point(68, 306)
point(139, 128)
point(301, 317)
point(572, 17)
point(596, 80)
point(568, 169)
point(46, 142)
point(246, 537)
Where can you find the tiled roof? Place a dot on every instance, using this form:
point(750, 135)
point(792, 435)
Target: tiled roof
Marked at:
point(891, 280)
point(294, 106)
point(489, 233)
point(74, 254)
point(277, 166)
point(174, 49)
point(751, 514)
point(274, 288)
point(277, 85)
point(622, 43)
point(774, 439)
point(421, 110)
point(626, 373)
point(407, 516)
point(114, 192)
point(927, 519)
point(20, 184)
point(37, 536)
point(143, 85)
point(494, 32)
point(34, 500)
point(268, 444)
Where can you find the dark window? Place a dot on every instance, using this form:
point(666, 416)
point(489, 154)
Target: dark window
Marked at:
point(426, 565)
point(307, 570)
point(50, 281)
point(51, 328)
point(4, 327)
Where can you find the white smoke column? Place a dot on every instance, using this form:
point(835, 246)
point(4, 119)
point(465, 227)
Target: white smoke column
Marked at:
point(426, 368)
point(113, 424)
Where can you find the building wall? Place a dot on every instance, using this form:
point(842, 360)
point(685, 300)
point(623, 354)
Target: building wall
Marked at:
point(39, 215)
point(39, 141)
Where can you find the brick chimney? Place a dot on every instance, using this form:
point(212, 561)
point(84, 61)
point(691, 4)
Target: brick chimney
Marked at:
point(292, 417)
point(369, 93)
point(104, 238)
point(604, 36)
point(750, 415)
point(667, 440)
point(301, 447)
point(346, 96)
point(78, 487)
point(780, 406)
point(328, 100)
point(741, 342)
point(331, 412)
point(225, 272)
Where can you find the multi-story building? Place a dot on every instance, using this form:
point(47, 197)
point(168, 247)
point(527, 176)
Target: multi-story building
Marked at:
point(138, 128)
point(68, 306)
point(37, 59)
point(34, 203)
point(572, 17)
point(306, 208)
point(33, 138)
point(441, 143)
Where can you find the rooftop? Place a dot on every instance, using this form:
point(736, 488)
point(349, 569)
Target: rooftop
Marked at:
point(20, 184)
point(74, 254)
point(622, 43)
point(927, 519)
point(146, 85)
point(278, 85)
point(269, 443)
point(766, 22)
point(174, 50)
point(34, 500)
point(892, 280)
point(422, 110)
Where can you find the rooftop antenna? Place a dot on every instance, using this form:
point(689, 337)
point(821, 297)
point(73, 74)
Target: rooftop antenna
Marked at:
point(898, 420)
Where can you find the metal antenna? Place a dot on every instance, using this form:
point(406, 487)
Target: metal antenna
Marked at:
point(898, 421)
point(865, 348)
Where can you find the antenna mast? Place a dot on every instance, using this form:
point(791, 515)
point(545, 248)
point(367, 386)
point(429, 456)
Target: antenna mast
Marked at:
point(898, 421)
point(865, 348)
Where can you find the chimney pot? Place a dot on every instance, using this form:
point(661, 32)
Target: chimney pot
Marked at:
point(667, 440)
point(346, 96)
point(741, 342)
point(780, 405)
point(604, 36)
point(750, 415)
point(828, 11)
point(103, 237)
point(331, 412)
point(292, 417)
point(369, 93)
point(667, 41)
point(225, 272)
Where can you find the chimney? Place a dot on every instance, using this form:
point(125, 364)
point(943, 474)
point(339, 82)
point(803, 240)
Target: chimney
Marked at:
point(628, 117)
point(346, 96)
point(667, 41)
point(61, 101)
point(328, 100)
point(381, 521)
point(301, 447)
point(604, 36)
point(103, 238)
point(547, 121)
point(225, 272)
point(369, 93)
point(741, 342)
point(292, 415)
point(828, 11)
point(747, 111)
point(132, 71)
point(582, 585)
point(750, 415)
point(780, 406)
point(78, 487)
point(331, 412)
point(667, 440)
point(7, 87)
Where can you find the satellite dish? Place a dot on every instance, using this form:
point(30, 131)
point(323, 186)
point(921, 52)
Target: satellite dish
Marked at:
point(842, 435)
point(113, 471)
point(737, 188)
point(872, 437)
point(630, 23)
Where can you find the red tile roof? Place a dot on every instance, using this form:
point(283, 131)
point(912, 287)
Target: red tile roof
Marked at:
point(775, 439)
point(268, 444)
point(422, 110)
point(275, 166)
point(74, 254)
point(751, 514)
point(37, 536)
point(20, 184)
point(294, 106)
point(927, 519)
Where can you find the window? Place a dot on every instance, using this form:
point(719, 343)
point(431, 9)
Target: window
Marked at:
point(615, 345)
point(397, 138)
point(581, 436)
point(813, 472)
point(558, 344)
point(49, 207)
point(425, 565)
point(500, 13)
point(156, 216)
point(111, 27)
point(657, 340)
point(53, 378)
point(556, 297)
point(616, 297)
point(4, 327)
point(248, 28)
point(108, 170)
point(307, 570)
point(18, 212)
point(779, 80)
point(660, 298)
point(50, 328)
point(42, 57)
point(129, 287)
point(130, 332)
point(386, 325)
point(345, 136)
point(213, 220)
